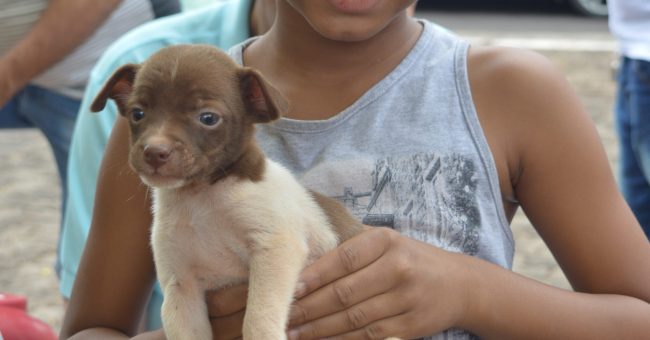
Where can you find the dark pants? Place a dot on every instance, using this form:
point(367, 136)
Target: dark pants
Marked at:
point(633, 125)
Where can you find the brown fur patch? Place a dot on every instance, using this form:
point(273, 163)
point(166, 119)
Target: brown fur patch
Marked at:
point(345, 225)
point(251, 166)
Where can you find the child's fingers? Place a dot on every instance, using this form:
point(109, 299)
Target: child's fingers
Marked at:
point(389, 329)
point(351, 320)
point(348, 291)
point(347, 258)
point(228, 327)
point(226, 301)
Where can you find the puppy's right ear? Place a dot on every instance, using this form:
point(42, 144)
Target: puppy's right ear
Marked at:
point(118, 88)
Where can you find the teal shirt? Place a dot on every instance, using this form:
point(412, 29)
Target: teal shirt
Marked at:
point(223, 24)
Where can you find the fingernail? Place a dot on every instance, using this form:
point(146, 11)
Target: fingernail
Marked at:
point(301, 288)
point(294, 315)
point(294, 334)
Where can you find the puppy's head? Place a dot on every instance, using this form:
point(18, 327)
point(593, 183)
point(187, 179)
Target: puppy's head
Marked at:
point(191, 111)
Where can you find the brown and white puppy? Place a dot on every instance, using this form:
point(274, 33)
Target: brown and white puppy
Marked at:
point(223, 212)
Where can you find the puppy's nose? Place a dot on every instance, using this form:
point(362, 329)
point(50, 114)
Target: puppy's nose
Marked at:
point(156, 155)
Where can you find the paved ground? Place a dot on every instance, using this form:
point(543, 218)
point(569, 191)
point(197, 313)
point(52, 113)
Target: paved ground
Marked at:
point(29, 197)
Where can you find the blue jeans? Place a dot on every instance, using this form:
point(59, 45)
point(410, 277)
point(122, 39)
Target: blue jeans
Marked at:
point(633, 125)
point(54, 115)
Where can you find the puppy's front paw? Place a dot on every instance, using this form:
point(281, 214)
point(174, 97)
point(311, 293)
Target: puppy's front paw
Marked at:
point(177, 331)
point(263, 330)
point(181, 321)
point(263, 335)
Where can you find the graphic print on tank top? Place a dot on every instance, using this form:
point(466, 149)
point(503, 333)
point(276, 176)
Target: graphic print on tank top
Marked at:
point(428, 197)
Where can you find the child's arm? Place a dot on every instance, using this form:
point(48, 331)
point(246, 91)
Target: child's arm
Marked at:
point(109, 334)
point(565, 186)
point(116, 273)
point(383, 284)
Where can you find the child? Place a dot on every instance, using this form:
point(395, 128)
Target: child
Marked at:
point(415, 131)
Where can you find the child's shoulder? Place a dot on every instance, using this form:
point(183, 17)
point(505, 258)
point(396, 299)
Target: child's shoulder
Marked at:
point(507, 68)
point(515, 84)
point(527, 109)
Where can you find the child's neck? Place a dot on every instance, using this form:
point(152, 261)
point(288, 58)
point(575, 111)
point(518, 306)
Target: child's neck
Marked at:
point(321, 77)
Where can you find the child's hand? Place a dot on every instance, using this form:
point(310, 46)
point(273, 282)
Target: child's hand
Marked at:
point(380, 284)
point(226, 309)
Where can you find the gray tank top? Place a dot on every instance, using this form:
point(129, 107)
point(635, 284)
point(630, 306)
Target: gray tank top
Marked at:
point(409, 154)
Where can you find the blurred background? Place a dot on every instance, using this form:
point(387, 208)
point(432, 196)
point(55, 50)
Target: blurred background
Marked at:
point(573, 34)
point(593, 8)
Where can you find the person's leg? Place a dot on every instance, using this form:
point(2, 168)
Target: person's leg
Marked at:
point(54, 114)
point(633, 124)
point(640, 113)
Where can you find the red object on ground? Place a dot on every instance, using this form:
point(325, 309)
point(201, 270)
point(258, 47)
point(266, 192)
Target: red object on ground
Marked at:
point(16, 324)
point(14, 301)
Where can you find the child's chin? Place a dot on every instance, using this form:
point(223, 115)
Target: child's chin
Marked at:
point(162, 182)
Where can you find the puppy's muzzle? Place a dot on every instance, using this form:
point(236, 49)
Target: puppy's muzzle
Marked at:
point(157, 155)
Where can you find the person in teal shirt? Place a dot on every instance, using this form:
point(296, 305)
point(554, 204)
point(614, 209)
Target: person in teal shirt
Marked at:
point(223, 25)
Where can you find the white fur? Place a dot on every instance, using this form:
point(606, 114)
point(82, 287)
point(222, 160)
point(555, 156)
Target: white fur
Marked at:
point(235, 231)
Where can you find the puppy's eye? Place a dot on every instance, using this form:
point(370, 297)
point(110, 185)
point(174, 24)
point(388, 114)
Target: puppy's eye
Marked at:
point(137, 114)
point(209, 118)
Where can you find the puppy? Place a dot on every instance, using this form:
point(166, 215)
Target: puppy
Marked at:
point(223, 213)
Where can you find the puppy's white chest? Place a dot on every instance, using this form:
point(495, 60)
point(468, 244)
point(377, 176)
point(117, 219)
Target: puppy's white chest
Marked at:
point(199, 236)
point(210, 234)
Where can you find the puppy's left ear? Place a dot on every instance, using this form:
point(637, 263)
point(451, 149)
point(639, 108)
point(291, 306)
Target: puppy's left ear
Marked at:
point(263, 102)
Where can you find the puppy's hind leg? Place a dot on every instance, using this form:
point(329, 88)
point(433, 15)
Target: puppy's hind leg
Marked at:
point(184, 312)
